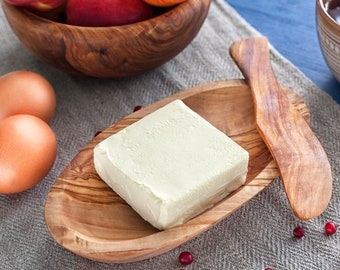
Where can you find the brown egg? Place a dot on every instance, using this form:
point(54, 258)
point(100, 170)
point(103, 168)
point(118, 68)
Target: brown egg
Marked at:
point(28, 151)
point(26, 92)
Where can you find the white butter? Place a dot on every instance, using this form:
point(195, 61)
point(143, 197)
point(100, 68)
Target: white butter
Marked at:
point(171, 165)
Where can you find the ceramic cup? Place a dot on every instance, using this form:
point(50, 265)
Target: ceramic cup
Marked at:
point(329, 37)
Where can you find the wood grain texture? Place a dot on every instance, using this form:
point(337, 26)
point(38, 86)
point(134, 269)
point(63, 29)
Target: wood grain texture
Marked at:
point(86, 217)
point(302, 161)
point(109, 52)
point(291, 29)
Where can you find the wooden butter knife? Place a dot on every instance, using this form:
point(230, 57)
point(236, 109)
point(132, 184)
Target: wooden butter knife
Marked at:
point(302, 161)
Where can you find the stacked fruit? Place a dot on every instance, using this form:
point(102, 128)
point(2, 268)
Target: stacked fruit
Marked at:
point(98, 13)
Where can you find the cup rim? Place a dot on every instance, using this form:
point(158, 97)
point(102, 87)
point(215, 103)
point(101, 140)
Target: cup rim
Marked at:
point(322, 4)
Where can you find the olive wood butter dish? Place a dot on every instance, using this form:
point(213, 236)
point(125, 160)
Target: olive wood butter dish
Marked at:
point(171, 165)
point(85, 216)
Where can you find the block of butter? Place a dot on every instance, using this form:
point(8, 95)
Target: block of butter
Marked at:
point(171, 165)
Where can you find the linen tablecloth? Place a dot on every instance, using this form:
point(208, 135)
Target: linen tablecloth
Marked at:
point(256, 236)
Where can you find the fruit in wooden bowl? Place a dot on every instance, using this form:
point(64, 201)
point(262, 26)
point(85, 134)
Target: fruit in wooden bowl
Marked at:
point(106, 12)
point(41, 5)
point(109, 52)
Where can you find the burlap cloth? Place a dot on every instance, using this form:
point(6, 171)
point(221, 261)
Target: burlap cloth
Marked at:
point(257, 236)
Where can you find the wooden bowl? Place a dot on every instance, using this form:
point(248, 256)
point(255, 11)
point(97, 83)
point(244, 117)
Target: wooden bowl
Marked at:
point(109, 52)
point(85, 216)
point(329, 37)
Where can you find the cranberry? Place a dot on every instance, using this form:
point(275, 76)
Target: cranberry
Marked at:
point(330, 228)
point(137, 108)
point(299, 232)
point(185, 258)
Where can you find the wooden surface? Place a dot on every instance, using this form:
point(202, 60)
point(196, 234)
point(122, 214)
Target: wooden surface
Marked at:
point(109, 52)
point(302, 161)
point(291, 28)
point(86, 217)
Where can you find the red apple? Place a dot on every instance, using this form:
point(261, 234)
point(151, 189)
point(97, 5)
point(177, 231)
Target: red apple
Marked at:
point(39, 5)
point(106, 12)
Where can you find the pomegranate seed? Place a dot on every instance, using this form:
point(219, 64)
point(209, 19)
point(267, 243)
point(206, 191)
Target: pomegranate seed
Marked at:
point(185, 258)
point(137, 108)
point(299, 232)
point(330, 228)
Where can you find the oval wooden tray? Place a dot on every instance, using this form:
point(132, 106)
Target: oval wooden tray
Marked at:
point(86, 217)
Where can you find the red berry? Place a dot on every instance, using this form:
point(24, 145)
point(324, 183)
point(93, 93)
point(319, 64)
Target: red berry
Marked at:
point(299, 232)
point(268, 269)
point(137, 108)
point(185, 258)
point(330, 228)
